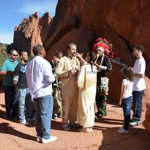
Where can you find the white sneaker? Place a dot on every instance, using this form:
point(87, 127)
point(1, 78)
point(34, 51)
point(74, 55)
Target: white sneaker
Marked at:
point(123, 131)
point(39, 139)
point(66, 127)
point(135, 123)
point(139, 123)
point(51, 139)
point(25, 122)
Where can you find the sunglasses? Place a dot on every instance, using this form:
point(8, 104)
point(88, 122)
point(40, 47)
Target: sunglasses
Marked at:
point(15, 55)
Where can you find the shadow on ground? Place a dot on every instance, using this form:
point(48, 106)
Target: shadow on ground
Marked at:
point(137, 139)
point(57, 125)
point(7, 129)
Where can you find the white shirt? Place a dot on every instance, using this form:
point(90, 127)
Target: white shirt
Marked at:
point(139, 68)
point(39, 77)
point(128, 88)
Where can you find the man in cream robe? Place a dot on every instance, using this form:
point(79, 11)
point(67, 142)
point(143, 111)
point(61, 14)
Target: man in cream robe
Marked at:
point(67, 71)
point(87, 91)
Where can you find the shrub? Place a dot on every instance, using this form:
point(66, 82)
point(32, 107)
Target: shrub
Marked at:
point(3, 53)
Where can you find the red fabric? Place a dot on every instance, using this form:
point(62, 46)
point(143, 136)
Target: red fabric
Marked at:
point(105, 44)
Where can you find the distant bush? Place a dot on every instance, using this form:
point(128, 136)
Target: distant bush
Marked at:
point(3, 53)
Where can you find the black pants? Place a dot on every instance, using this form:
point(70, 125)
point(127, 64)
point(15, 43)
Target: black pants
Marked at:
point(11, 102)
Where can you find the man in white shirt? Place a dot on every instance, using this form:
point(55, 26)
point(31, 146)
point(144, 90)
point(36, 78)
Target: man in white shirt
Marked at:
point(40, 77)
point(138, 84)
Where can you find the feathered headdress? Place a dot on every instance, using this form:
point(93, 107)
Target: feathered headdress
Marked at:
point(101, 42)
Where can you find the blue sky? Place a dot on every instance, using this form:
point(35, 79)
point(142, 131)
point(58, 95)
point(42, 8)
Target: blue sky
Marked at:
point(12, 13)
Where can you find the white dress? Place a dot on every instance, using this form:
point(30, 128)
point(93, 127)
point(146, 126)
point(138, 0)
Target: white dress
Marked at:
point(87, 91)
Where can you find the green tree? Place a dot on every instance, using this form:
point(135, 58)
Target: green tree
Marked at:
point(3, 53)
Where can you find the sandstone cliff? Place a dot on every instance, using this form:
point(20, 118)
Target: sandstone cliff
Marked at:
point(31, 31)
point(123, 23)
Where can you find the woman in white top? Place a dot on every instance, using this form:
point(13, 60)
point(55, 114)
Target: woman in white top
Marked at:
point(126, 97)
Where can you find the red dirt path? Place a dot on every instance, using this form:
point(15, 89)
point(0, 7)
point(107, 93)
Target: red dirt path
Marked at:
point(15, 136)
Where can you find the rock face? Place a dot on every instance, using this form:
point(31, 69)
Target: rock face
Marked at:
point(121, 22)
point(147, 104)
point(31, 31)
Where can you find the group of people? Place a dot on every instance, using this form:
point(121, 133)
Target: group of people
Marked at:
point(81, 85)
point(74, 82)
point(132, 90)
point(16, 88)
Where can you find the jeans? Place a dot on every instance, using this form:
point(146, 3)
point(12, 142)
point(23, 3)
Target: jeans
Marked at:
point(43, 115)
point(11, 103)
point(126, 103)
point(137, 105)
point(25, 105)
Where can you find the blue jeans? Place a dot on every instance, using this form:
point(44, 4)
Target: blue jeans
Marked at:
point(25, 104)
point(43, 115)
point(137, 105)
point(126, 103)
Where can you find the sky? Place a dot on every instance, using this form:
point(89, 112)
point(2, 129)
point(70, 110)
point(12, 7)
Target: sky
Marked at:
point(12, 12)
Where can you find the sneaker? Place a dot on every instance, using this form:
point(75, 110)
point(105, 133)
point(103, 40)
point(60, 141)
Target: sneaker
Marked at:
point(25, 122)
point(123, 131)
point(97, 114)
point(100, 115)
point(51, 139)
point(135, 123)
point(59, 115)
point(139, 123)
point(55, 117)
point(66, 127)
point(39, 139)
point(31, 119)
point(74, 125)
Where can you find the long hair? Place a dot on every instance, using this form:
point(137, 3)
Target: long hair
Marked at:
point(128, 73)
point(92, 56)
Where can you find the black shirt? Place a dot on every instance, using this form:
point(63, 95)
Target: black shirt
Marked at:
point(103, 73)
point(20, 71)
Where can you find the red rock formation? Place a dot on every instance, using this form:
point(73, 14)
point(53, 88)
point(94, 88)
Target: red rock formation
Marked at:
point(31, 31)
point(44, 23)
point(123, 23)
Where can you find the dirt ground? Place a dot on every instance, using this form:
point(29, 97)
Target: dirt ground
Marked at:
point(15, 136)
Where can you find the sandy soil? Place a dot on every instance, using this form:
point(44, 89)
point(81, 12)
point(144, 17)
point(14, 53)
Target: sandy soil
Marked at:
point(15, 136)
